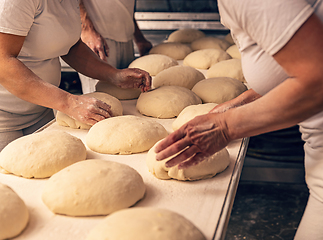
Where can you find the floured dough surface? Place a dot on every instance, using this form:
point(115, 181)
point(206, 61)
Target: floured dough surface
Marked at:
point(14, 214)
point(42, 154)
point(166, 101)
point(153, 63)
point(191, 112)
point(229, 68)
point(208, 168)
point(124, 135)
point(186, 35)
point(115, 91)
point(209, 42)
point(183, 76)
point(234, 52)
point(116, 108)
point(205, 58)
point(175, 50)
point(145, 224)
point(218, 90)
point(93, 187)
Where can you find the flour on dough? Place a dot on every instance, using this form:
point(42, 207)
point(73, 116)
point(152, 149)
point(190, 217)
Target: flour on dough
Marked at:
point(115, 91)
point(229, 68)
point(209, 42)
point(234, 52)
point(175, 50)
point(186, 35)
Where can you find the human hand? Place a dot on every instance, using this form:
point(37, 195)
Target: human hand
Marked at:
point(96, 42)
point(144, 47)
point(133, 78)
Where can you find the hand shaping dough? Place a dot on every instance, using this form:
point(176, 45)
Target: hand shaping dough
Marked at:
point(218, 90)
point(209, 42)
point(145, 224)
point(191, 112)
point(42, 154)
point(205, 58)
point(116, 108)
point(119, 93)
point(185, 35)
point(124, 135)
point(14, 213)
point(153, 63)
point(229, 68)
point(183, 76)
point(166, 101)
point(175, 50)
point(234, 52)
point(208, 168)
point(93, 187)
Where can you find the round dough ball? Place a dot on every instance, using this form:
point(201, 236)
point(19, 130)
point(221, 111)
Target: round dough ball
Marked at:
point(208, 168)
point(209, 42)
point(93, 187)
point(175, 50)
point(166, 101)
point(183, 76)
point(191, 112)
point(153, 63)
point(116, 108)
point(234, 52)
point(117, 92)
point(228, 68)
point(124, 135)
point(205, 58)
point(42, 154)
point(229, 39)
point(185, 35)
point(14, 213)
point(218, 90)
point(145, 224)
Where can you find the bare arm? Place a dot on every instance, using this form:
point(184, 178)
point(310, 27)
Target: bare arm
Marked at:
point(142, 43)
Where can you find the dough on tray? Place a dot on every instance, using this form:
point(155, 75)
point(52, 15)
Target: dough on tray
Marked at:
point(175, 50)
point(218, 90)
point(119, 93)
point(228, 68)
point(208, 168)
point(14, 215)
point(42, 154)
point(93, 187)
point(153, 63)
point(234, 52)
point(166, 101)
point(124, 135)
point(116, 108)
point(210, 42)
point(145, 224)
point(183, 76)
point(186, 35)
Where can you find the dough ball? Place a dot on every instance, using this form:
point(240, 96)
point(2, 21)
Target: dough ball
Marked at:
point(205, 58)
point(166, 101)
point(234, 52)
point(209, 42)
point(93, 187)
point(145, 224)
point(191, 112)
point(117, 92)
point(153, 63)
point(208, 168)
point(124, 135)
point(14, 213)
point(42, 154)
point(229, 39)
point(183, 76)
point(218, 90)
point(116, 108)
point(228, 68)
point(185, 35)
point(175, 50)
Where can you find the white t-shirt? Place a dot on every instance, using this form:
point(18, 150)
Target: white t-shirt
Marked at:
point(51, 27)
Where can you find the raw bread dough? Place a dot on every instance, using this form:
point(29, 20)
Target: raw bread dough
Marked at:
point(205, 58)
point(191, 112)
point(209, 42)
point(183, 76)
point(185, 35)
point(153, 63)
point(228, 68)
point(124, 135)
point(229, 38)
point(218, 90)
point(116, 108)
point(14, 213)
point(93, 187)
point(166, 101)
point(119, 93)
point(234, 52)
point(42, 154)
point(145, 224)
point(208, 168)
point(175, 50)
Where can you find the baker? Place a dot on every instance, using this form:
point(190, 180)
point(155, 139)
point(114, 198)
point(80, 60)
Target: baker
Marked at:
point(33, 34)
point(281, 45)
